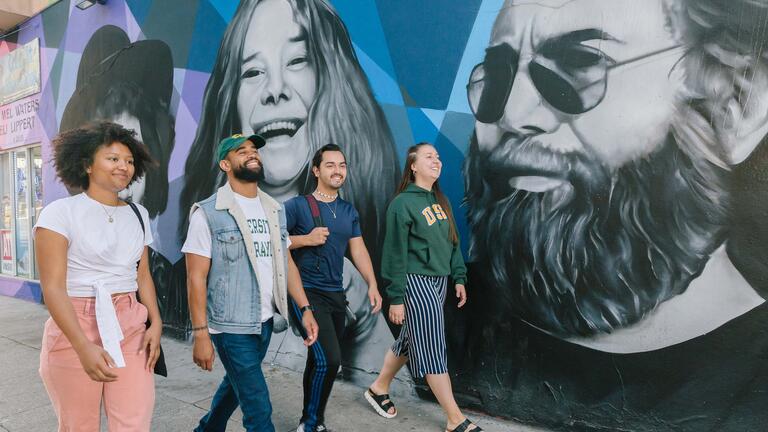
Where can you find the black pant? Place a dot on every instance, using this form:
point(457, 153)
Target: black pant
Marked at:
point(324, 356)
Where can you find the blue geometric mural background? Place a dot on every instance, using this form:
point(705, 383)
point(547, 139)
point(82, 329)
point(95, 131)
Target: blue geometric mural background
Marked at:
point(416, 57)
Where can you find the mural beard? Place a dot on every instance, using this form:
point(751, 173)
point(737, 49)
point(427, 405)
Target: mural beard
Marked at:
point(601, 254)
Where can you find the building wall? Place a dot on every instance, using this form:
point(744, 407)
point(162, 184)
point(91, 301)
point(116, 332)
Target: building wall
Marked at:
point(606, 173)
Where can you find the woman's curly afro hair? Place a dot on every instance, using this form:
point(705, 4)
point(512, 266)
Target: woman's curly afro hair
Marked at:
point(74, 149)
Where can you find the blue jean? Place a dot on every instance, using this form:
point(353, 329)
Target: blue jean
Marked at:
point(244, 383)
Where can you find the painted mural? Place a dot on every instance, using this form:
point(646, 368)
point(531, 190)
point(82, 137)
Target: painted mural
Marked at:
point(608, 155)
point(131, 84)
point(287, 71)
point(619, 156)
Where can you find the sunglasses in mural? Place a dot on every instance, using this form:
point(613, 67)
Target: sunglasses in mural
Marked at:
point(573, 79)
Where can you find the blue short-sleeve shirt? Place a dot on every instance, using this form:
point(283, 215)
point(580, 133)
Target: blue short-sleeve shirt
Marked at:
point(321, 266)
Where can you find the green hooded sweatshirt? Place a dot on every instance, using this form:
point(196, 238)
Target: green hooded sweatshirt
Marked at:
point(417, 240)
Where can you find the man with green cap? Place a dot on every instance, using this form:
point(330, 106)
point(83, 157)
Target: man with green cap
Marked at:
point(238, 271)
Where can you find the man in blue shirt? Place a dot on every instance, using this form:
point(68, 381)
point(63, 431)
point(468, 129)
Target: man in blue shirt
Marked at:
point(318, 246)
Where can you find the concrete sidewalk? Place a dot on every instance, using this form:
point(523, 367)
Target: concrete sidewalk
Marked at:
point(184, 397)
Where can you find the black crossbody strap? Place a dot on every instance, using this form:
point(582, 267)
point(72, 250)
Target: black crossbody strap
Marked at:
point(141, 222)
point(138, 215)
point(160, 367)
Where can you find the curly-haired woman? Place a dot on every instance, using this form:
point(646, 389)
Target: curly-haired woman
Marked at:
point(92, 255)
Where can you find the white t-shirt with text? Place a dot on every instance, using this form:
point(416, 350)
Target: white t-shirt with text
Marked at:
point(199, 243)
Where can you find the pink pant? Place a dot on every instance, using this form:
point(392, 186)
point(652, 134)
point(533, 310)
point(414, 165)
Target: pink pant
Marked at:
point(76, 398)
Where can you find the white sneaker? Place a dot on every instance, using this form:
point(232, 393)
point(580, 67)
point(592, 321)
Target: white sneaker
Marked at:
point(318, 428)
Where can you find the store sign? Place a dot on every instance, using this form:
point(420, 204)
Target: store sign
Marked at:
point(20, 72)
point(19, 124)
point(6, 243)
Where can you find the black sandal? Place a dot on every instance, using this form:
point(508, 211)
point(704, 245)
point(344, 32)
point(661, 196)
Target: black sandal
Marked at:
point(378, 404)
point(464, 427)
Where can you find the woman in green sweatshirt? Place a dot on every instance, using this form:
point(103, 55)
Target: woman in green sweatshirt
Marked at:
point(421, 250)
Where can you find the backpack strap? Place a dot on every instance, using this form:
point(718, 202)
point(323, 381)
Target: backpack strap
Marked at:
point(144, 230)
point(138, 215)
point(160, 366)
point(315, 210)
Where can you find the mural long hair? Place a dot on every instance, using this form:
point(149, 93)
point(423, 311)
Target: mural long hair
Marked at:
point(343, 112)
point(726, 62)
point(727, 78)
point(408, 177)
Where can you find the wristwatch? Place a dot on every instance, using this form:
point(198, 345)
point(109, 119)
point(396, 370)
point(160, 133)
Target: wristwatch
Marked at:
point(307, 308)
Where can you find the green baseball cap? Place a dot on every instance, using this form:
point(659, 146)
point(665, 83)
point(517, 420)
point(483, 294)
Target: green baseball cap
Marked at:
point(235, 141)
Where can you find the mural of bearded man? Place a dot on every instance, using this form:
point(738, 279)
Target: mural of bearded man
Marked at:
point(616, 156)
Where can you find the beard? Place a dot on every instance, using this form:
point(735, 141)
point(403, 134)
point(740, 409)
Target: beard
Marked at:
point(246, 174)
point(603, 253)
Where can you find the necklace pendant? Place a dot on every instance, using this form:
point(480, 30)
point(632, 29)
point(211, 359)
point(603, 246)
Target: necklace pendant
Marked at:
point(111, 220)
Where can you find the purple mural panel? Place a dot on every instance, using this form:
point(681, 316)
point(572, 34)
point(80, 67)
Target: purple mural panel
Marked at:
point(26, 290)
point(82, 23)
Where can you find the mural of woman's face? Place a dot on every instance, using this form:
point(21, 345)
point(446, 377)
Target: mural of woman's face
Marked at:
point(136, 190)
point(277, 89)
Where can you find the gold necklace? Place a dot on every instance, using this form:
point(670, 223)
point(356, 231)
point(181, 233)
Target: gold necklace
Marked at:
point(333, 210)
point(109, 216)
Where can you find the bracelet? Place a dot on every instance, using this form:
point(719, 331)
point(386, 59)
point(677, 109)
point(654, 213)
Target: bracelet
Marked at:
point(205, 327)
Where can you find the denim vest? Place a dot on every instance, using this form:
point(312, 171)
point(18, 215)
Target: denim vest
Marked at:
point(234, 298)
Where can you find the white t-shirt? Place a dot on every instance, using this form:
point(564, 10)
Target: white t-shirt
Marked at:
point(99, 250)
point(199, 243)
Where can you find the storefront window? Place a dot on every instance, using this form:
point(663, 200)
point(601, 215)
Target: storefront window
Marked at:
point(21, 166)
point(7, 265)
point(37, 189)
point(21, 188)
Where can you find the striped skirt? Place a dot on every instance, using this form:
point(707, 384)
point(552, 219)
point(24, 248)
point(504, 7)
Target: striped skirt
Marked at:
point(422, 338)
